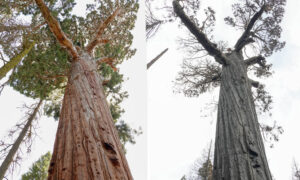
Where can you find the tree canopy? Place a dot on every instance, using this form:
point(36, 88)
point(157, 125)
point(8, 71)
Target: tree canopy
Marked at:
point(43, 72)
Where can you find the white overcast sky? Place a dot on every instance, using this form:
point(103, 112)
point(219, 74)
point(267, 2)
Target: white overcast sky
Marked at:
point(135, 107)
point(180, 127)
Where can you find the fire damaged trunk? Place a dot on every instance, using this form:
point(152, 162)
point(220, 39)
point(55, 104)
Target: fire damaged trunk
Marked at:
point(239, 150)
point(87, 144)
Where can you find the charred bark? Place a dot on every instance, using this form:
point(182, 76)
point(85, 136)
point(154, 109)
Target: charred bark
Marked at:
point(87, 144)
point(239, 150)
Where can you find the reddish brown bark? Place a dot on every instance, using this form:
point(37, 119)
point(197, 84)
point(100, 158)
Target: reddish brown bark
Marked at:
point(56, 29)
point(101, 28)
point(87, 145)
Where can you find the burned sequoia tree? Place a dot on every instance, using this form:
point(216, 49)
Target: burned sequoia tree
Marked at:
point(239, 149)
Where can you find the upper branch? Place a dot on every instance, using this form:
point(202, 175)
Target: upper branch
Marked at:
point(255, 60)
point(245, 36)
point(97, 40)
point(56, 29)
point(201, 37)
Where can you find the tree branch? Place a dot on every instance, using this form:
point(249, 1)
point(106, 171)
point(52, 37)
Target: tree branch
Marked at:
point(201, 37)
point(255, 60)
point(107, 60)
point(241, 41)
point(244, 43)
point(94, 42)
point(56, 29)
point(149, 64)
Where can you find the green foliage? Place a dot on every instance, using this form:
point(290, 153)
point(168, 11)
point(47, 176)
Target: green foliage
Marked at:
point(44, 70)
point(126, 133)
point(39, 169)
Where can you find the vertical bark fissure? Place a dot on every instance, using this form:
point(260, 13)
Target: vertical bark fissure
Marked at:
point(238, 138)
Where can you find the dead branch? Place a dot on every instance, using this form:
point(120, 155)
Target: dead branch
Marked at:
point(201, 37)
point(245, 36)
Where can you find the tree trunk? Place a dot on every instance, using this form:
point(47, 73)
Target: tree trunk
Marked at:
point(239, 150)
point(9, 158)
point(15, 61)
point(87, 145)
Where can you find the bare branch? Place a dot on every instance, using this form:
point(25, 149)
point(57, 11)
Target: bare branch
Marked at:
point(156, 58)
point(56, 29)
point(201, 37)
point(255, 60)
point(241, 42)
point(101, 28)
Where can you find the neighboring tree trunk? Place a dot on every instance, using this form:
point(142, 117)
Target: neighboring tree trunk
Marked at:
point(239, 150)
point(14, 61)
point(9, 158)
point(87, 144)
point(156, 58)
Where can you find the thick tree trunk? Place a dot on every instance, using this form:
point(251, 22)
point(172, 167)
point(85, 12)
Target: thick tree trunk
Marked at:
point(239, 150)
point(12, 152)
point(87, 145)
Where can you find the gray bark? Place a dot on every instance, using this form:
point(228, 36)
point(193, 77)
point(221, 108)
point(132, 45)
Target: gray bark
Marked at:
point(156, 58)
point(239, 150)
point(12, 152)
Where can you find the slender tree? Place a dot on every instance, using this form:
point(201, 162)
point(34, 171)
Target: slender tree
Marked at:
point(202, 167)
point(25, 133)
point(239, 150)
point(152, 26)
point(149, 64)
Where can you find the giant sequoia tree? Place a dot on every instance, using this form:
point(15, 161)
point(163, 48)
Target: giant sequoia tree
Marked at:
point(239, 150)
point(87, 144)
point(68, 56)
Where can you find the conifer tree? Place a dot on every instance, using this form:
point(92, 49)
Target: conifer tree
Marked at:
point(69, 45)
point(39, 169)
point(239, 150)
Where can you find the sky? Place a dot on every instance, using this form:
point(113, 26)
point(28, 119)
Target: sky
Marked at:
point(180, 127)
point(135, 108)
